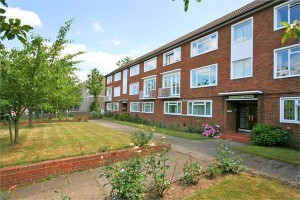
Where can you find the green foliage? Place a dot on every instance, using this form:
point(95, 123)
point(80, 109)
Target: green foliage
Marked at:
point(292, 31)
point(124, 61)
point(94, 107)
point(96, 115)
point(108, 114)
point(229, 161)
point(142, 136)
point(123, 117)
point(115, 115)
point(269, 135)
point(102, 149)
point(82, 118)
point(127, 179)
point(214, 170)
point(191, 172)
point(94, 84)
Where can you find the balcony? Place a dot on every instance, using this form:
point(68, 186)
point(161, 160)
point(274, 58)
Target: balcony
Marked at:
point(166, 93)
point(107, 99)
point(151, 95)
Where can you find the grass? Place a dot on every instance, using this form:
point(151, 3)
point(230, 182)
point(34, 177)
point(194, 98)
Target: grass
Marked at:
point(276, 153)
point(246, 186)
point(166, 131)
point(58, 140)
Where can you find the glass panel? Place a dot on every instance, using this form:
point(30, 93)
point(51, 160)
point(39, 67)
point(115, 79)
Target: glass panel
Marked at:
point(242, 68)
point(173, 108)
point(199, 109)
point(295, 13)
point(203, 77)
point(282, 15)
point(194, 78)
point(190, 108)
point(298, 113)
point(242, 31)
point(208, 108)
point(213, 75)
point(289, 109)
point(282, 60)
point(247, 67)
point(295, 64)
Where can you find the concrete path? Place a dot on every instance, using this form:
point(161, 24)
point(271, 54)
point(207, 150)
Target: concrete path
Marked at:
point(87, 185)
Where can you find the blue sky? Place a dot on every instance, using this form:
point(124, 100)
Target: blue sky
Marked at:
point(109, 30)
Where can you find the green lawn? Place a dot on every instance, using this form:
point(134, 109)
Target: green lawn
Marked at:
point(276, 153)
point(58, 140)
point(245, 186)
point(166, 131)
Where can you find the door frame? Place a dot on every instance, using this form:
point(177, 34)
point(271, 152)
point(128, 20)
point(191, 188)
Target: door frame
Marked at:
point(252, 115)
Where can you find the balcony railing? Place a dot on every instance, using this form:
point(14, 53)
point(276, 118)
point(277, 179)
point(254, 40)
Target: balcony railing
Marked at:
point(166, 93)
point(151, 95)
point(107, 98)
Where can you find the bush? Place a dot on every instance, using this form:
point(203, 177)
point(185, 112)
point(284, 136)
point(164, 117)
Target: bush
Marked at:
point(94, 106)
point(142, 136)
point(214, 170)
point(115, 115)
point(211, 130)
point(96, 115)
point(123, 117)
point(268, 135)
point(191, 172)
point(108, 114)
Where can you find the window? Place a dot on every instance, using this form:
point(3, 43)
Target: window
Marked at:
point(287, 12)
point(173, 107)
point(290, 109)
point(135, 70)
point(204, 76)
point(172, 56)
point(134, 88)
point(108, 94)
point(117, 91)
point(117, 76)
point(241, 68)
point(200, 108)
point(287, 62)
point(150, 65)
point(108, 79)
point(149, 84)
point(124, 90)
point(204, 45)
point(242, 31)
point(172, 81)
point(134, 107)
point(116, 106)
point(108, 106)
point(148, 107)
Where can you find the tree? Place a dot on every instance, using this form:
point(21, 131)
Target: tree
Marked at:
point(95, 86)
point(186, 4)
point(292, 31)
point(124, 61)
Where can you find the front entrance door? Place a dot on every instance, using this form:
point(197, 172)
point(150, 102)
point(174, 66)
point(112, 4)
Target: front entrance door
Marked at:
point(247, 116)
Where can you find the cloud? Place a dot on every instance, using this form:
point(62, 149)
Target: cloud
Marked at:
point(27, 17)
point(114, 42)
point(97, 27)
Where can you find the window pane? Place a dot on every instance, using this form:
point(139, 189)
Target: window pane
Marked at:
point(199, 109)
point(190, 108)
point(282, 15)
point(289, 109)
point(203, 77)
point(173, 108)
point(194, 78)
point(242, 31)
point(242, 68)
point(295, 64)
point(166, 107)
point(208, 108)
point(213, 74)
point(298, 113)
point(295, 13)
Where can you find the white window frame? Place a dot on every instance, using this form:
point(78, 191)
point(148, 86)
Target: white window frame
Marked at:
point(144, 86)
point(251, 67)
point(201, 40)
point(131, 90)
point(288, 3)
point(109, 107)
point(177, 103)
point(148, 102)
point(172, 88)
point(106, 92)
point(109, 79)
point(237, 24)
point(118, 106)
point(115, 91)
point(208, 66)
point(275, 61)
point(146, 67)
point(177, 56)
point(297, 104)
point(131, 106)
point(200, 101)
point(134, 70)
point(117, 76)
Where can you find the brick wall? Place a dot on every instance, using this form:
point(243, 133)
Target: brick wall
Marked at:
point(20, 175)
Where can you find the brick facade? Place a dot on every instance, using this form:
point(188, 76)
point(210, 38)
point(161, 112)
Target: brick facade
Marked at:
point(224, 112)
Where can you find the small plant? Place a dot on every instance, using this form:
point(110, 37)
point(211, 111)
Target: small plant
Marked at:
point(142, 136)
point(210, 130)
point(191, 172)
point(123, 117)
point(115, 115)
point(214, 170)
point(102, 149)
point(108, 114)
point(48, 178)
point(268, 135)
point(229, 161)
point(96, 115)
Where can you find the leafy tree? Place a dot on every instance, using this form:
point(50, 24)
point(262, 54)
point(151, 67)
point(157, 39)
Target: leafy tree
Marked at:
point(186, 4)
point(292, 31)
point(124, 61)
point(95, 86)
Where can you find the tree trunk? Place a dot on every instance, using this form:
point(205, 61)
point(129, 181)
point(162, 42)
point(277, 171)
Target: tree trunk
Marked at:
point(30, 117)
point(16, 132)
point(10, 131)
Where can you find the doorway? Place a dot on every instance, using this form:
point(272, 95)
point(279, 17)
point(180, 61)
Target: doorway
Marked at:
point(246, 116)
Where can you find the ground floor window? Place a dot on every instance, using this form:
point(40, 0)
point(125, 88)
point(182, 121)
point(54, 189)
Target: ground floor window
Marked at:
point(116, 106)
point(148, 107)
point(108, 106)
point(201, 108)
point(134, 107)
point(290, 109)
point(172, 107)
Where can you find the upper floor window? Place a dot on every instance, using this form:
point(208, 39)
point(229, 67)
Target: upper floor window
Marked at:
point(150, 64)
point(149, 84)
point(290, 109)
point(148, 107)
point(287, 62)
point(134, 88)
point(241, 68)
point(134, 106)
point(201, 108)
point(204, 76)
point(287, 12)
point(108, 79)
point(172, 81)
point(172, 107)
point(204, 45)
point(117, 76)
point(135, 70)
point(172, 56)
point(242, 31)
point(108, 92)
point(117, 91)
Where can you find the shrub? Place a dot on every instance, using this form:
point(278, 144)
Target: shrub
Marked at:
point(108, 114)
point(115, 115)
point(94, 106)
point(191, 172)
point(268, 135)
point(123, 117)
point(96, 115)
point(214, 170)
point(211, 130)
point(142, 136)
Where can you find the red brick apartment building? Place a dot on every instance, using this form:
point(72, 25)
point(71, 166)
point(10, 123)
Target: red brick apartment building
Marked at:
point(233, 71)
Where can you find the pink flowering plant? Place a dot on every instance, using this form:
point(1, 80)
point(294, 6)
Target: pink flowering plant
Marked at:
point(211, 130)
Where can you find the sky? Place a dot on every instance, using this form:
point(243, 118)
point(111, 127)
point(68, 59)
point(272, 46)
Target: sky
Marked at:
point(109, 30)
